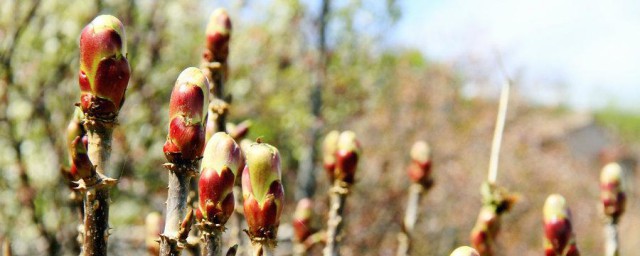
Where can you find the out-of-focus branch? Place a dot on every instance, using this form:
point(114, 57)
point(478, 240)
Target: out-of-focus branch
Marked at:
point(306, 178)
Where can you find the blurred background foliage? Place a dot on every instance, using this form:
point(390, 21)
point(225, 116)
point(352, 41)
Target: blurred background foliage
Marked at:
point(389, 96)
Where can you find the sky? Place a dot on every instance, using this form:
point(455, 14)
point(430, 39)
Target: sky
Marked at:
point(580, 53)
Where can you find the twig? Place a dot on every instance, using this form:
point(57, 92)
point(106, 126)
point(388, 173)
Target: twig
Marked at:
point(410, 218)
point(612, 248)
point(179, 176)
point(212, 242)
point(306, 178)
point(497, 134)
point(336, 219)
point(96, 200)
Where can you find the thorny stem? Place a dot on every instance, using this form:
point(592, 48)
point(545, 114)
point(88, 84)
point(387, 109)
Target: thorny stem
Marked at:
point(612, 247)
point(212, 239)
point(179, 176)
point(96, 204)
point(335, 223)
point(410, 218)
point(497, 134)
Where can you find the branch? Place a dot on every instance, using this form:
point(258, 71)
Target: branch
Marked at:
point(336, 219)
point(410, 218)
point(497, 134)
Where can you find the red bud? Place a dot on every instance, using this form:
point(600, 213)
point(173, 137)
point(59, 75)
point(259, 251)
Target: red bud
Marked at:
point(329, 148)
point(420, 167)
point(81, 166)
point(216, 194)
point(187, 112)
point(185, 141)
point(302, 219)
point(347, 157)
point(557, 224)
point(104, 69)
point(262, 191)
point(239, 131)
point(218, 34)
point(485, 231)
point(612, 192)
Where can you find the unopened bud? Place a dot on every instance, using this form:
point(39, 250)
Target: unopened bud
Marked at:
point(190, 96)
point(420, 167)
point(485, 231)
point(302, 219)
point(612, 192)
point(81, 167)
point(329, 149)
point(557, 223)
point(75, 129)
point(262, 190)
point(218, 34)
point(464, 251)
point(222, 160)
point(347, 157)
point(104, 69)
point(239, 131)
point(187, 114)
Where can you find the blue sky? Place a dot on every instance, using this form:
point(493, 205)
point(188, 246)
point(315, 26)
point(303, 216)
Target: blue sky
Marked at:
point(583, 53)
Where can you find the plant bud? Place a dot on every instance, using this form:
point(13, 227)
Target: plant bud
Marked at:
point(222, 160)
point(239, 131)
point(262, 191)
point(187, 115)
point(420, 167)
point(75, 129)
point(612, 192)
point(81, 167)
point(302, 219)
point(347, 155)
point(557, 223)
point(464, 251)
point(218, 34)
point(104, 69)
point(329, 149)
point(485, 231)
point(190, 96)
